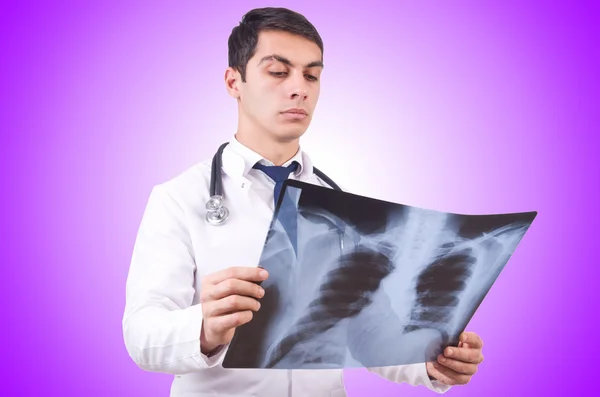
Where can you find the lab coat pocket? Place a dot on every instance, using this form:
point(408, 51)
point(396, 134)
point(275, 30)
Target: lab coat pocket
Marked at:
point(338, 393)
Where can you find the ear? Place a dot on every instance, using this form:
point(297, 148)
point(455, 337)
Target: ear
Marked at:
point(232, 82)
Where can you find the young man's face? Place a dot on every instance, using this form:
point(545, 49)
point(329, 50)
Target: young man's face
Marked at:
point(282, 86)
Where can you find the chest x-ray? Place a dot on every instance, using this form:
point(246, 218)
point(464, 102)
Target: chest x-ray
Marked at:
point(360, 282)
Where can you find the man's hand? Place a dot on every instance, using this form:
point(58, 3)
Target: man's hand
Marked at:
point(228, 300)
point(458, 364)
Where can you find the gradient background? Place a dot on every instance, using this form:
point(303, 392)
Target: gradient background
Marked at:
point(469, 107)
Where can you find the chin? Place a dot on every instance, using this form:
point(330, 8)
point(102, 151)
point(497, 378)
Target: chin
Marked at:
point(292, 136)
point(290, 133)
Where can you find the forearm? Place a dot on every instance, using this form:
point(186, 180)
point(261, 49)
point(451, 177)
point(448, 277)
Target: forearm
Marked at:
point(389, 350)
point(161, 324)
point(413, 374)
point(376, 339)
point(167, 341)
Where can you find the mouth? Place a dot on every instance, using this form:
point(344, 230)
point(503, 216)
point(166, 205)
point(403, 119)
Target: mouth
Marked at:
point(296, 112)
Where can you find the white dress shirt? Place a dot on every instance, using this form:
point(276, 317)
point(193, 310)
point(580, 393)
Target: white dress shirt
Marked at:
point(176, 247)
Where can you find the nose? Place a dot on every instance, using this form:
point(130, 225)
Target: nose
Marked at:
point(298, 87)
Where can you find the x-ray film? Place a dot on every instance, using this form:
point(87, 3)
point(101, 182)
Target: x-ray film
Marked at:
point(359, 282)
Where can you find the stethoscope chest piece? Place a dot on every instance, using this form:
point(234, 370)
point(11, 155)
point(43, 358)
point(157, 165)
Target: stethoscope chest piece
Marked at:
point(216, 212)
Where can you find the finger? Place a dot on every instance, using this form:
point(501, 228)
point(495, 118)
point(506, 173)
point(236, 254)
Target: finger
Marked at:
point(222, 324)
point(446, 375)
point(464, 354)
point(472, 339)
point(255, 274)
point(458, 366)
point(231, 304)
point(229, 287)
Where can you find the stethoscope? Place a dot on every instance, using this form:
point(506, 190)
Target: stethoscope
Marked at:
point(216, 212)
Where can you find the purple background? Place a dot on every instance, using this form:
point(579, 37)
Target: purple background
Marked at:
point(474, 107)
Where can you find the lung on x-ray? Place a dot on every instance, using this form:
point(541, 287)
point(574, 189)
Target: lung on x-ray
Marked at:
point(360, 282)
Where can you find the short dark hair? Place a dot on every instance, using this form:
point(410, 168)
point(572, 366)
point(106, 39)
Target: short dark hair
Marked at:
point(244, 37)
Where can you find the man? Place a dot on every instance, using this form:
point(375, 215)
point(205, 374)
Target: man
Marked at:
point(191, 283)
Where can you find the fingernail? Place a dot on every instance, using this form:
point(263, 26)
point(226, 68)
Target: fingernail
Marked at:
point(261, 292)
point(450, 351)
point(442, 359)
point(263, 273)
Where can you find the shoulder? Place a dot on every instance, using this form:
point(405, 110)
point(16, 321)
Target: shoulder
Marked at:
point(320, 179)
point(318, 175)
point(189, 186)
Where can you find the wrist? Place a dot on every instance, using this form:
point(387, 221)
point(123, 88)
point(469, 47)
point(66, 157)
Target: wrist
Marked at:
point(206, 347)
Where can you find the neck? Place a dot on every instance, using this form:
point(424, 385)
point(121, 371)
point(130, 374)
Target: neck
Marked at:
point(276, 151)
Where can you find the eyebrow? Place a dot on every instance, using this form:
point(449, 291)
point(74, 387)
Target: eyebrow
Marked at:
point(288, 62)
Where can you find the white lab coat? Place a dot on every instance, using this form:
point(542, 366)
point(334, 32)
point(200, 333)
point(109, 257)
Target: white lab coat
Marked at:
point(176, 247)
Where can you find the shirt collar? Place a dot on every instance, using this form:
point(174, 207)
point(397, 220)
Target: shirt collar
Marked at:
point(239, 159)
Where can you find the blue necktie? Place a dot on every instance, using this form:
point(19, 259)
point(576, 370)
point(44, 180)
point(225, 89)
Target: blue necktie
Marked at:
point(278, 174)
point(287, 210)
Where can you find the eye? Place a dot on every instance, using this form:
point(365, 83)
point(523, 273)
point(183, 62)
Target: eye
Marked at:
point(311, 77)
point(278, 74)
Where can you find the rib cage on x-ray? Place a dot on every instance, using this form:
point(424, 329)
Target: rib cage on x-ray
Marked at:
point(438, 289)
point(439, 284)
point(345, 291)
point(449, 273)
point(407, 284)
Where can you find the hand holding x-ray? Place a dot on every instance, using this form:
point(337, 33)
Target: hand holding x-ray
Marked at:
point(457, 365)
point(228, 298)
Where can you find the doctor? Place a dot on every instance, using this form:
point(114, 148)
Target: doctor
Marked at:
point(191, 283)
